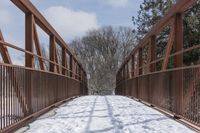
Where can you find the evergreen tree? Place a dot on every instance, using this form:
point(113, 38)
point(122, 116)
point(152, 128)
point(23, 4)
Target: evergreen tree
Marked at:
point(192, 34)
point(151, 11)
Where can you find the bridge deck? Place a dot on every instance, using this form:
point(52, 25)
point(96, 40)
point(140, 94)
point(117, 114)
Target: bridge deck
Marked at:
point(104, 114)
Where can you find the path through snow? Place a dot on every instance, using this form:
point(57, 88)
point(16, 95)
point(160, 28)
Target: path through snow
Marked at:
point(104, 114)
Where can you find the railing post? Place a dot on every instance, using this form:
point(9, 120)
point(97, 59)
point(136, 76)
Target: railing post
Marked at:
point(133, 66)
point(123, 80)
point(179, 61)
point(153, 53)
point(126, 78)
point(179, 40)
point(71, 66)
point(140, 61)
point(29, 58)
point(29, 40)
point(79, 72)
point(64, 61)
point(52, 50)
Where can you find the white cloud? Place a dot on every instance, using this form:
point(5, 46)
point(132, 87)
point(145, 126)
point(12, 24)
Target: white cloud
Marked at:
point(70, 23)
point(4, 13)
point(118, 3)
point(4, 3)
point(5, 18)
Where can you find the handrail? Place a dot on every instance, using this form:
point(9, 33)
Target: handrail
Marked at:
point(27, 52)
point(179, 7)
point(27, 7)
point(27, 90)
point(173, 87)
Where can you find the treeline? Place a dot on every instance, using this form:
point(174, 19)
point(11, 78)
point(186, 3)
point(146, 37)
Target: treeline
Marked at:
point(101, 52)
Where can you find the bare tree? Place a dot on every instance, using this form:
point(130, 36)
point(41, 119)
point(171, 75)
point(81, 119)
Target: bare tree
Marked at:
point(101, 52)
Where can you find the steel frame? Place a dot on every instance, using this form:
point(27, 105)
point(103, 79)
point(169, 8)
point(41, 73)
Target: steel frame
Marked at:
point(20, 95)
point(167, 84)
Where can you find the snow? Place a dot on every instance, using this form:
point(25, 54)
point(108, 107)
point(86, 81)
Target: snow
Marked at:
point(104, 114)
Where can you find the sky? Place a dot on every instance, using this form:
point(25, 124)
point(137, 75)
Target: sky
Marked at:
point(70, 18)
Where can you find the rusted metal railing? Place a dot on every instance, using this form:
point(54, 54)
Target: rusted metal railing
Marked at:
point(28, 91)
point(164, 80)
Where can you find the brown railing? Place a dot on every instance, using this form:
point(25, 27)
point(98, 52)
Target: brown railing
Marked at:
point(162, 89)
point(164, 79)
point(46, 89)
point(27, 91)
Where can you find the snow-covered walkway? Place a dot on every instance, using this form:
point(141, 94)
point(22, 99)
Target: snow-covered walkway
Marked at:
point(104, 114)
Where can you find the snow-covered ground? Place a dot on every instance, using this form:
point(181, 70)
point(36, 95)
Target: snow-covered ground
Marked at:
point(104, 114)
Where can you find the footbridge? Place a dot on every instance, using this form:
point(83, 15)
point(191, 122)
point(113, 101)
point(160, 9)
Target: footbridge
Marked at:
point(149, 81)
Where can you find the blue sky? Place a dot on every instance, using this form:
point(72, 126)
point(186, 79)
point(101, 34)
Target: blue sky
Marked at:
point(108, 12)
point(70, 18)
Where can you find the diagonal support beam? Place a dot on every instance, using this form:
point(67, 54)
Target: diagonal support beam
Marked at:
point(15, 84)
point(56, 59)
point(37, 45)
point(4, 51)
point(169, 48)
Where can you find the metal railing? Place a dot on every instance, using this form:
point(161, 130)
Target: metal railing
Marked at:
point(46, 90)
point(28, 91)
point(171, 90)
point(164, 81)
